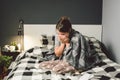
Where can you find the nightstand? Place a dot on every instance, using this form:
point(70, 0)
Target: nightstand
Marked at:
point(13, 54)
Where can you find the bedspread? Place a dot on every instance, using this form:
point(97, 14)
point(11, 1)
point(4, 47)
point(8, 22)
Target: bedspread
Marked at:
point(26, 67)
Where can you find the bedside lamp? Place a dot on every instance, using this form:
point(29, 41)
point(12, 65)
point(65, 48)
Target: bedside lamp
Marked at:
point(20, 35)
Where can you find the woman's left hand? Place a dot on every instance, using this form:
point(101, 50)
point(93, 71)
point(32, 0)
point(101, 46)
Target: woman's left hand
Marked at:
point(67, 44)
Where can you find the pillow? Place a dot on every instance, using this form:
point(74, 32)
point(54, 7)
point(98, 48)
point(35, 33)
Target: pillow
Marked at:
point(93, 43)
point(47, 41)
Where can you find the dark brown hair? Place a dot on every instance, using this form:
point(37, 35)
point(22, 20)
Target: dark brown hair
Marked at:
point(64, 24)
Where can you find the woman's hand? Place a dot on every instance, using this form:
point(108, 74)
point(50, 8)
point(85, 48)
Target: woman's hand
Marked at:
point(67, 45)
point(64, 38)
point(65, 41)
point(59, 50)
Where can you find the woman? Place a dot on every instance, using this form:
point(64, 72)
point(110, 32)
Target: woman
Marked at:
point(71, 46)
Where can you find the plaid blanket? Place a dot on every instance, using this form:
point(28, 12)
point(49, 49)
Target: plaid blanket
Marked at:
point(26, 67)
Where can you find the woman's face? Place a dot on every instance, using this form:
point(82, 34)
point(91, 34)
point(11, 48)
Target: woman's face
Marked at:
point(62, 35)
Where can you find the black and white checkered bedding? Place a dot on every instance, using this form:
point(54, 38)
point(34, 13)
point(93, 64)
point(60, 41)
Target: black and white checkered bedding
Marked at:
point(26, 67)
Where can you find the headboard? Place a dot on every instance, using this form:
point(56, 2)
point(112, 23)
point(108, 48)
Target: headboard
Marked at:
point(32, 32)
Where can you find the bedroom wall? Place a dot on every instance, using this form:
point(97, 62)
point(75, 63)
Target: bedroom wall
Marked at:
point(111, 27)
point(45, 12)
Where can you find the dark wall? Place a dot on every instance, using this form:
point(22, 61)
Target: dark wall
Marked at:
point(45, 12)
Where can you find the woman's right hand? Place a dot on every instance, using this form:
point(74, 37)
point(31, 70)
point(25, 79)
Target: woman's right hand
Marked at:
point(59, 50)
point(64, 39)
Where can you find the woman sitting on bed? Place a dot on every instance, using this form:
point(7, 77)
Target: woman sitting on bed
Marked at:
point(71, 47)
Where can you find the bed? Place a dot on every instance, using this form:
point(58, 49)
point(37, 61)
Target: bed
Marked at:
point(26, 65)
